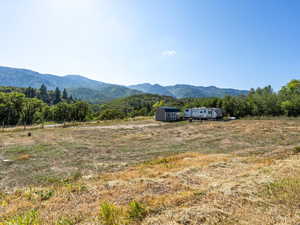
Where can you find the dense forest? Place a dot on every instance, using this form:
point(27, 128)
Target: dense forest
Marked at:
point(29, 105)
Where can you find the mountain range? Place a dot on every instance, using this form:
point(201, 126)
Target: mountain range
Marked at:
point(99, 92)
point(187, 91)
point(80, 87)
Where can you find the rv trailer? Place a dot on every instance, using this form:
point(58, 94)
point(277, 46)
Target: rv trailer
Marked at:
point(203, 113)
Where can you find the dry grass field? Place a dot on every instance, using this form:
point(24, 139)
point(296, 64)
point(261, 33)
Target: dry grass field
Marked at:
point(151, 173)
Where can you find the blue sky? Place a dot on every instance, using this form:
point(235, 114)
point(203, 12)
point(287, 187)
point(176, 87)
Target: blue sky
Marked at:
point(233, 43)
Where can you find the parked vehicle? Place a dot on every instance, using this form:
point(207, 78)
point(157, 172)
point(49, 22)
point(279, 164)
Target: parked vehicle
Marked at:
point(203, 113)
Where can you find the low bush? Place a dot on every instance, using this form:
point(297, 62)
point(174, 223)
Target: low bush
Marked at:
point(297, 149)
point(136, 211)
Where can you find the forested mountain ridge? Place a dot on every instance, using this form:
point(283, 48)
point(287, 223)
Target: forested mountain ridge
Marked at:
point(152, 89)
point(80, 87)
point(188, 91)
point(98, 92)
point(28, 78)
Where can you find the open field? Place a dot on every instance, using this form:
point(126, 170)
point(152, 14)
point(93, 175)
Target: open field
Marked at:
point(146, 172)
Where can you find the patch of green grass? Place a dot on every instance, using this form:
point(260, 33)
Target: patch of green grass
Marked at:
point(66, 221)
point(45, 195)
point(199, 194)
point(111, 214)
point(27, 149)
point(48, 179)
point(285, 191)
point(73, 188)
point(28, 218)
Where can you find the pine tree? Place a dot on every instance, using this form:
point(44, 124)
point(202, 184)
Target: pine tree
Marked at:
point(43, 94)
point(65, 94)
point(57, 96)
point(30, 92)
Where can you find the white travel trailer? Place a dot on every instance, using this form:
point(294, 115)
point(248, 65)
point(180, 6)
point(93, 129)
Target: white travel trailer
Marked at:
point(203, 113)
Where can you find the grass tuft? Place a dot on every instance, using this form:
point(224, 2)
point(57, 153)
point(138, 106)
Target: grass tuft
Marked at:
point(136, 211)
point(110, 214)
point(28, 218)
point(65, 221)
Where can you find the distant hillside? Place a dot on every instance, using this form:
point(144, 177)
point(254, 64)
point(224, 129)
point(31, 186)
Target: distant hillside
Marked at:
point(80, 87)
point(25, 78)
point(102, 95)
point(98, 92)
point(187, 91)
point(152, 89)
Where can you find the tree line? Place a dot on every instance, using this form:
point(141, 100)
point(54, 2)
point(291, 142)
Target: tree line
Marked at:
point(259, 102)
point(28, 105)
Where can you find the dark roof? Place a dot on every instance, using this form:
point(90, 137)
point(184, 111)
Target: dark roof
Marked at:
point(169, 109)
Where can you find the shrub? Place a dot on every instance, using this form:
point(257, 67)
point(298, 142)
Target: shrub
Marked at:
point(110, 214)
point(297, 149)
point(136, 211)
point(45, 195)
point(111, 114)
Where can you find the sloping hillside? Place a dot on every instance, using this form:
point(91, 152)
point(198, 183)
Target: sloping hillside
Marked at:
point(80, 87)
point(99, 92)
point(188, 91)
point(152, 89)
point(103, 94)
point(25, 78)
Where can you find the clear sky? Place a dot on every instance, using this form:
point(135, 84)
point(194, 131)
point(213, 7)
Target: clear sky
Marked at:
point(226, 43)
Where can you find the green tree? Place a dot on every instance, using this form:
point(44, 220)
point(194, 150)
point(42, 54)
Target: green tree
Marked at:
point(62, 112)
point(80, 111)
point(57, 96)
point(65, 94)
point(111, 114)
point(30, 92)
point(31, 106)
point(43, 94)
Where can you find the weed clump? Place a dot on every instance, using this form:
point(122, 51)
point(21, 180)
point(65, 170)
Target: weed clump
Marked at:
point(297, 150)
point(136, 211)
point(109, 214)
point(113, 215)
point(65, 221)
point(28, 218)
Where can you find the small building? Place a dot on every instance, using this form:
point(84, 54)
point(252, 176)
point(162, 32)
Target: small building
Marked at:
point(167, 114)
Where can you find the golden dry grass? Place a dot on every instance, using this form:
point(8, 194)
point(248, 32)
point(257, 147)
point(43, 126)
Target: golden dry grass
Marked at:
point(241, 172)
